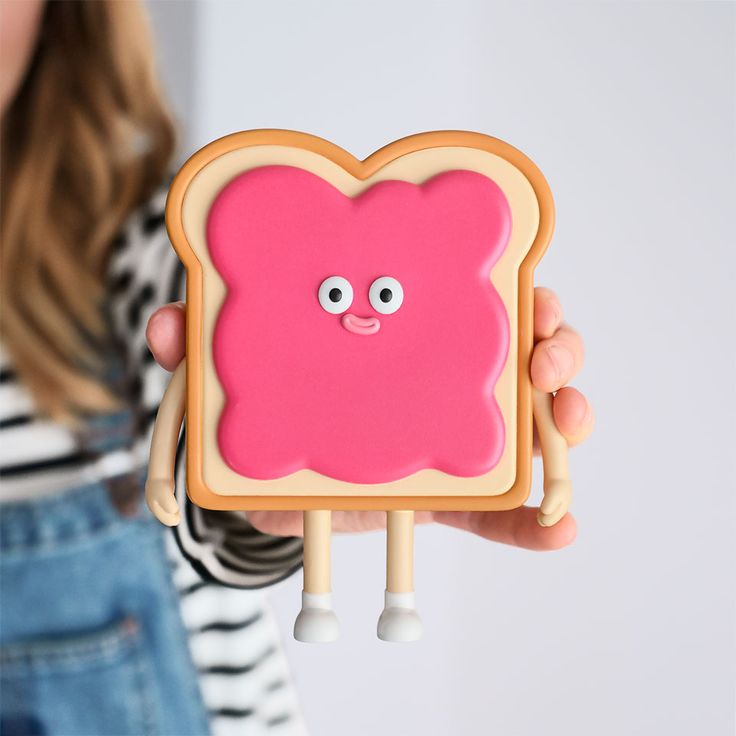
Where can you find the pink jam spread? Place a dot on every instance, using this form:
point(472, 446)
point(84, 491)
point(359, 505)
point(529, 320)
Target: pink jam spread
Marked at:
point(362, 395)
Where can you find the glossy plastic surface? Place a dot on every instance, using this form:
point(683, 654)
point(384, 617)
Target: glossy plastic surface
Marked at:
point(309, 389)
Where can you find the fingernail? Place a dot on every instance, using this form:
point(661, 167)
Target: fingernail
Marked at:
point(562, 361)
point(581, 416)
point(588, 416)
point(557, 311)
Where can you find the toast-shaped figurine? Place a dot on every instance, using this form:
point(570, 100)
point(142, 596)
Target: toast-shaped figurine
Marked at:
point(358, 337)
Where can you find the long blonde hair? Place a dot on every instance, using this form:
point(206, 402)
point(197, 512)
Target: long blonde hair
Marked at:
point(86, 140)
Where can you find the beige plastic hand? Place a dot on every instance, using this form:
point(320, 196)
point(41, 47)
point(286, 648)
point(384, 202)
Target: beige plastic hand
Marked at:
point(556, 501)
point(557, 484)
point(162, 457)
point(162, 501)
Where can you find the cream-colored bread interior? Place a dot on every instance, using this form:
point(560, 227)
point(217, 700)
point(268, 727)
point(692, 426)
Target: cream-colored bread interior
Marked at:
point(417, 168)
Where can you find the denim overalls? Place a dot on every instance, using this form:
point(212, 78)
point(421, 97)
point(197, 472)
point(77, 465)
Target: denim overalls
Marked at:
point(91, 638)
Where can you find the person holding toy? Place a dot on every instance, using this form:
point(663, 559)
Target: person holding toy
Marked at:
point(107, 626)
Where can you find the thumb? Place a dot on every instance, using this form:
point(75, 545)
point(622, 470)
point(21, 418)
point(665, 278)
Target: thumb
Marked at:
point(165, 334)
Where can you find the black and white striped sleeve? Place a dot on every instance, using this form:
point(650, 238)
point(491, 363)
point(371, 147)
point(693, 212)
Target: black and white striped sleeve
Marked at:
point(144, 274)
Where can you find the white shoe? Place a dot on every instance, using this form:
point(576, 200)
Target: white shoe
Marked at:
point(399, 621)
point(316, 622)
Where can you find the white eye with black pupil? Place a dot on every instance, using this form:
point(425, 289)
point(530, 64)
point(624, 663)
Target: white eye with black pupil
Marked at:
point(386, 295)
point(335, 295)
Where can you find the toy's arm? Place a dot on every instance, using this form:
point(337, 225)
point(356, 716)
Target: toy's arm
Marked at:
point(160, 483)
point(557, 485)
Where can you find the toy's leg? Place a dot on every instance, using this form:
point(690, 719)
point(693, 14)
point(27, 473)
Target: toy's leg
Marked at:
point(399, 620)
point(316, 621)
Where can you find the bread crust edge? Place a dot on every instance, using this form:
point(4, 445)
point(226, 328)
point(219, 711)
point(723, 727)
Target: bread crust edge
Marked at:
point(197, 489)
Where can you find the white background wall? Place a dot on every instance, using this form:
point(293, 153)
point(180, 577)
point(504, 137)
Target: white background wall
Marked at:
point(628, 108)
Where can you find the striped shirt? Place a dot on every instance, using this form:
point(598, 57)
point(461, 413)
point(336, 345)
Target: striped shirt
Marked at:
point(218, 559)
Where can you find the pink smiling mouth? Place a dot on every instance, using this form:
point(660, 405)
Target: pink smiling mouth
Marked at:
point(360, 325)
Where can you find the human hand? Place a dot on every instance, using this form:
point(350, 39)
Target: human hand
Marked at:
point(557, 358)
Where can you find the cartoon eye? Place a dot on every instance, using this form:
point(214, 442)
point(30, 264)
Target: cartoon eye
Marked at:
point(335, 295)
point(386, 295)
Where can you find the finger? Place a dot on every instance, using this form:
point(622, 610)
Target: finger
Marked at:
point(573, 415)
point(518, 527)
point(278, 523)
point(290, 523)
point(165, 335)
point(547, 313)
point(556, 360)
point(367, 521)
